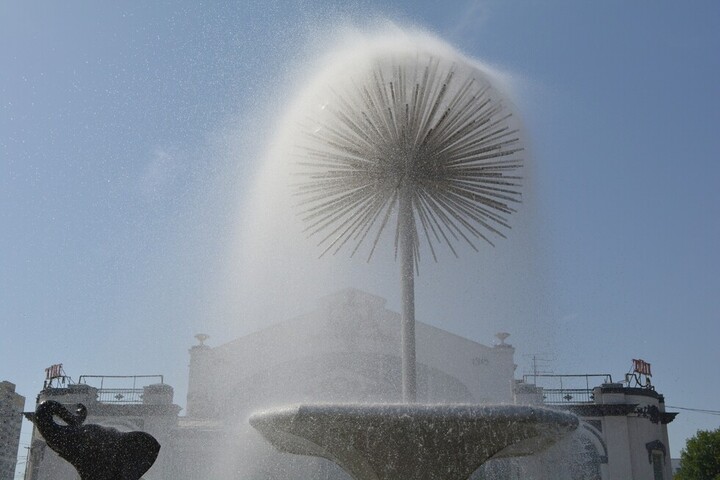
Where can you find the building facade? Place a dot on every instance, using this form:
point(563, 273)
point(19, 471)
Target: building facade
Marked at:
point(347, 350)
point(149, 408)
point(11, 408)
point(623, 429)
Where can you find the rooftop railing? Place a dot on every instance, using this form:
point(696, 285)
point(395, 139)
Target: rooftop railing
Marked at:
point(120, 389)
point(120, 395)
point(567, 389)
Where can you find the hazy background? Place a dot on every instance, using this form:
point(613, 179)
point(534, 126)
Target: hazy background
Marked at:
point(134, 135)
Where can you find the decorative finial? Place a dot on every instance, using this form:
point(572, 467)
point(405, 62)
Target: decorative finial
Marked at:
point(201, 337)
point(502, 336)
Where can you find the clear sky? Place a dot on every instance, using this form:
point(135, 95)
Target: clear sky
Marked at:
point(131, 134)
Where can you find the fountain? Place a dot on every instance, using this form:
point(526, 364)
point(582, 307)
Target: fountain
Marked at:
point(420, 139)
point(404, 442)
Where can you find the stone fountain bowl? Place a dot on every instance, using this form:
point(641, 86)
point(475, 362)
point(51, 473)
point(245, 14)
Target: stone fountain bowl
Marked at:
point(412, 441)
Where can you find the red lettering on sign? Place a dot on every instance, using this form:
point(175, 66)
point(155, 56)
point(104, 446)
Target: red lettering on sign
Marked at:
point(642, 367)
point(53, 371)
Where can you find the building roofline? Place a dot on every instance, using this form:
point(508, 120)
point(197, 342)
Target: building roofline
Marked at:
point(643, 392)
point(326, 300)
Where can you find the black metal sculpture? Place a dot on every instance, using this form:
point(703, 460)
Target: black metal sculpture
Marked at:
point(96, 452)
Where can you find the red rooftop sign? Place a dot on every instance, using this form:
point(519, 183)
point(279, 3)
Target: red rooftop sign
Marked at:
point(53, 371)
point(642, 367)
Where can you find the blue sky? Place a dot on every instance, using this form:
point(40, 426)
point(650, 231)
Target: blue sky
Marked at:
point(131, 134)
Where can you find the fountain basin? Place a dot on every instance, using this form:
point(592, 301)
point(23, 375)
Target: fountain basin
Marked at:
point(412, 441)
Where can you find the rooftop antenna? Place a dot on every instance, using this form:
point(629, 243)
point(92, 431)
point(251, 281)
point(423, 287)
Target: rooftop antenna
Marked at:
point(539, 365)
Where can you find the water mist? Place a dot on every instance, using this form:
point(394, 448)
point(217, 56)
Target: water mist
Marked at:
point(474, 128)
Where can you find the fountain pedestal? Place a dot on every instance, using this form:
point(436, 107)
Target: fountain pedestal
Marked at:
point(412, 441)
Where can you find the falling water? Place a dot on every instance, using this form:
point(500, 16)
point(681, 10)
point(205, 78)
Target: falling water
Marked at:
point(277, 271)
point(275, 255)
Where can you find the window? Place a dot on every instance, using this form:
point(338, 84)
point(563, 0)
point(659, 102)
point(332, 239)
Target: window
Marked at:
point(657, 463)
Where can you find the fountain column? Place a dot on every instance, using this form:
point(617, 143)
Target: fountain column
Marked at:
point(407, 281)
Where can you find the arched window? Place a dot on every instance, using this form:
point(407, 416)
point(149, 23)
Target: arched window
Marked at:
point(656, 456)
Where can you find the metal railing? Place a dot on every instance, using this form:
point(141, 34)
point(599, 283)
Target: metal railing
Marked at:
point(121, 389)
point(120, 395)
point(568, 396)
point(567, 389)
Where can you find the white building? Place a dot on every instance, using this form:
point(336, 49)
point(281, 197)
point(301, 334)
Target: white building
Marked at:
point(11, 407)
point(347, 350)
point(623, 433)
point(148, 408)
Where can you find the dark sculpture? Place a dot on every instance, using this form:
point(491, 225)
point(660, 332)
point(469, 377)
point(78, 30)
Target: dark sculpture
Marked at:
point(97, 453)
